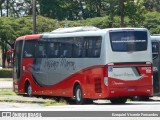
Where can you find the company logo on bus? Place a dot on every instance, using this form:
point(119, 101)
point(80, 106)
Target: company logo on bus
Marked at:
point(117, 83)
point(147, 69)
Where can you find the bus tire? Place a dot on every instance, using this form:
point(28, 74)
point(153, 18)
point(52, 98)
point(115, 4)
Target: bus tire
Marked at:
point(29, 90)
point(78, 95)
point(118, 100)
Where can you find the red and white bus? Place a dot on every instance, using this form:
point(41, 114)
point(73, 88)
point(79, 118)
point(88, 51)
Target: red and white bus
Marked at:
point(85, 64)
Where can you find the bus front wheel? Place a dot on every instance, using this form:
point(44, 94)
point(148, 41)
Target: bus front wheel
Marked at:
point(29, 90)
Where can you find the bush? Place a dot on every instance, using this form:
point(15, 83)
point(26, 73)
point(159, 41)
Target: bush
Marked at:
point(5, 73)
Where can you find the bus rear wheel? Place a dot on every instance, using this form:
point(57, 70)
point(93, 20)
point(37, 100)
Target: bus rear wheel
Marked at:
point(78, 95)
point(118, 100)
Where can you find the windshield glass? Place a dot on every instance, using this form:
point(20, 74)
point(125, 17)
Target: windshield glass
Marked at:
point(125, 41)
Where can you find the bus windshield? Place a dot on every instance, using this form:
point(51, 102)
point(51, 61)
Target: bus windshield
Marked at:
point(125, 41)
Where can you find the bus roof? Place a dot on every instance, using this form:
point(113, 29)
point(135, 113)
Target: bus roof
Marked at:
point(75, 29)
point(86, 31)
point(155, 37)
point(29, 37)
point(129, 28)
point(67, 32)
point(89, 28)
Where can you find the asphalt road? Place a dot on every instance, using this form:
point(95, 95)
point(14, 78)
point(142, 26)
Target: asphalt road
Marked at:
point(138, 107)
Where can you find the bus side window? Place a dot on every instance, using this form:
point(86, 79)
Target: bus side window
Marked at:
point(77, 47)
point(85, 48)
point(50, 50)
point(29, 49)
point(92, 47)
point(58, 49)
point(155, 50)
point(79, 52)
point(90, 50)
point(97, 48)
point(41, 50)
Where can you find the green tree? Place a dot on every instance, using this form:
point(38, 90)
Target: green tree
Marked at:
point(52, 9)
point(152, 22)
point(6, 33)
point(125, 8)
point(152, 5)
point(135, 12)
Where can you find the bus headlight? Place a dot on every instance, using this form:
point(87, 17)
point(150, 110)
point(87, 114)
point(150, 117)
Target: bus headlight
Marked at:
point(106, 81)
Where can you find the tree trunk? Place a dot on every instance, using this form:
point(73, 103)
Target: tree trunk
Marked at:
point(122, 8)
point(15, 12)
point(7, 7)
point(3, 56)
point(1, 11)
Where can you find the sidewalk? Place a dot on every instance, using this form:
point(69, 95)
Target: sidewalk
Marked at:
point(6, 83)
point(155, 98)
point(23, 99)
point(6, 79)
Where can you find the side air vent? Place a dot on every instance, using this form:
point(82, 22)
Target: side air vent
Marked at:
point(98, 87)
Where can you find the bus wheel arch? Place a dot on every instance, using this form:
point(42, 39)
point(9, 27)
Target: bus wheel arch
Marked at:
point(28, 88)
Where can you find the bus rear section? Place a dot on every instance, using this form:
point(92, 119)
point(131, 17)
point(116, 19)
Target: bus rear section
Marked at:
point(129, 67)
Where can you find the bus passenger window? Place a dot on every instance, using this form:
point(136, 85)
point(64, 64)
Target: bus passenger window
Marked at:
point(96, 53)
point(155, 50)
point(56, 53)
point(40, 50)
point(79, 53)
point(50, 50)
point(29, 49)
point(77, 50)
point(65, 52)
point(92, 47)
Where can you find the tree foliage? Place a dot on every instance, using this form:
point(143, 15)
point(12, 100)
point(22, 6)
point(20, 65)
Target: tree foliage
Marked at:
point(152, 5)
point(16, 15)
